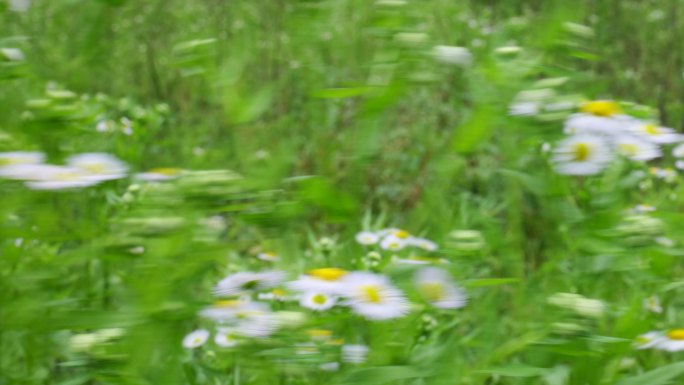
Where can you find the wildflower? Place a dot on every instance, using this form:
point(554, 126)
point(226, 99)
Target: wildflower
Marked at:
point(324, 280)
point(436, 286)
point(394, 242)
point(581, 123)
point(258, 324)
point(317, 301)
point(355, 354)
point(268, 256)
point(195, 339)
point(679, 164)
point(329, 366)
point(601, 108)
point(20, 157)
point(319, 335)
point(652, 304)
point(48, 177)
point(373, 296)
point(581, 155)
point(98, 166)
point(522, 108)
point(245, 282)
point(422, 243)
point(452, 55)
point(678, 152)
point(637, 149)
point(671, 341)
point(586, 307)
point(273, 295)
point(643, 209)
point(82, 342)
point(226, 337)
point(367, 238)
point(158, 174)
point(654, 133)
point(667, 174)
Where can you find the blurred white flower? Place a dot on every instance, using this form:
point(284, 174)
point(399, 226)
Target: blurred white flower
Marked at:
point(98, 166)
point(373, 296)
point(667, 174)
point(452, 55)
point(637, 149)
point(158, 174)
point(678, 152)
point(652, 304)
point(49, 177)
point(268, 256)
point(671, 341)
point(12, 54)
point(588, 124)
point(581, 155)
point(437, 288)
point(395, 240)
point(195, 339)
point(232, 310)
point(246, 282)
point(524, 108)
point(367, 238)
point(643, 208)
point(20, 157)
point(422, 243)
point(329, 366)
point(355, 354)
point(654, 133)
point(317, 301)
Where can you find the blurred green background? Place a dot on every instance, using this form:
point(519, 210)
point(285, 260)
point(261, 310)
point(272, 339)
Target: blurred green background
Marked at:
point(332, 116)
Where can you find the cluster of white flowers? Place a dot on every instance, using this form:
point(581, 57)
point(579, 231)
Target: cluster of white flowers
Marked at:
point(394, 239)
point(580, 305)
point(80, 170)
point(238, 316)
point(601, 131)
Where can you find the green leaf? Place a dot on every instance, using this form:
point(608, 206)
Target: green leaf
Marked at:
point(516, 371)
point(490, 282)
point(383, 374)
point(660, 376)
point(341, 93)
point(476, 129)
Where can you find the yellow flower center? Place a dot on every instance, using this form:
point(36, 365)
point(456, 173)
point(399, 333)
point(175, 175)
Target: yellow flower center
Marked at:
point(228, 303)
point(601, 108)
point(676, 334)
point(432, 291)
point(165, 171)
point(581, 152)
point(319, 333)
point(651, 129)
point(402, 234)
point(328, 273)
point(95, 168)
point(319, 299)
point(630, 149)
point(278, 292)
point(371, 293)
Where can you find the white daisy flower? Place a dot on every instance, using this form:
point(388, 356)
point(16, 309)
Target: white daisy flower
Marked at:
point(672, 341)
point(98, 166)
point(268, 256)
point(637, 149)
point(20, 157)
point(643, 209)
point(246, 282)
point(158, 175)
point(654, 133)
point(329, 366)
point(586, 124)
point(581, 155)
point(652, 304)
point(678, 152)
point(355, 354)
point(317, 301)
point(274, 295)
point(49, 177)
point(195, 339)
point(393, 243)
point(666, 174)
point(422, 243)
point(367, 238)
point(437, 287)
point(679, 164)
point(325, 280)
point(226, 338)
point(649, 340)
point(373, 296)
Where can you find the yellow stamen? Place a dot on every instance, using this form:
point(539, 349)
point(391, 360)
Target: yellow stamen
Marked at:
point(371, 293)
point(319, 299)
point(165, 171)
point(228, 303)
point(629, 149)
point(581, 152)
point(278, 292)
point(328, 273)
point(676, 334)
point(651, 129)
point(319, 334)
point(402, 234)
point(432, 291)
point(601, 108)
